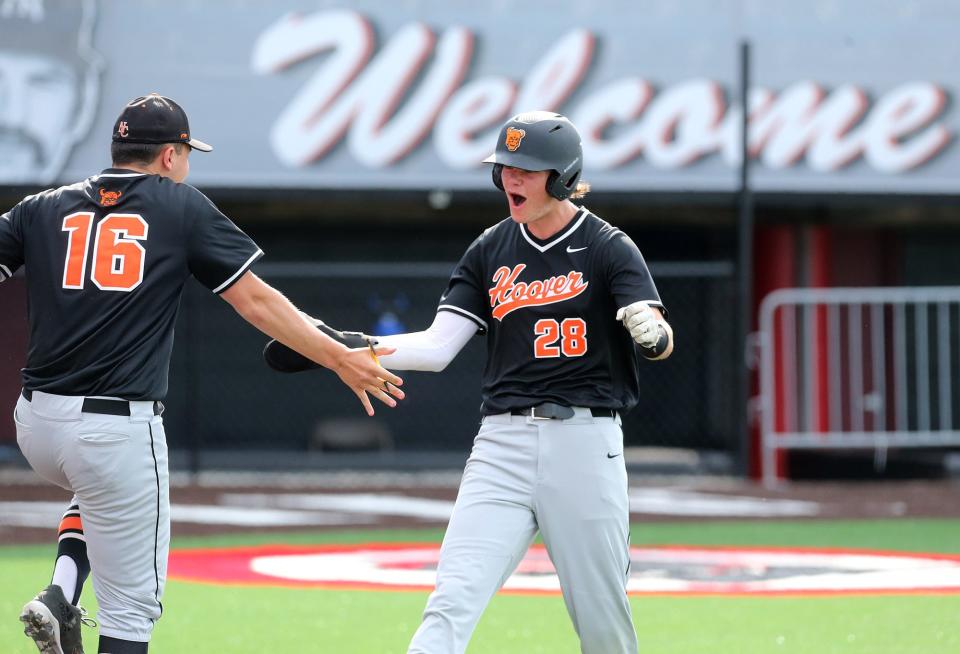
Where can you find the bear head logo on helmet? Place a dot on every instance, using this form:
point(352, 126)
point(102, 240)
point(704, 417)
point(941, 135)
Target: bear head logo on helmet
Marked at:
point(540, 140)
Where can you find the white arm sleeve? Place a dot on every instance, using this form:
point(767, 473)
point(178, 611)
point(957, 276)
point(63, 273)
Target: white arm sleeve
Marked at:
point(432, 349)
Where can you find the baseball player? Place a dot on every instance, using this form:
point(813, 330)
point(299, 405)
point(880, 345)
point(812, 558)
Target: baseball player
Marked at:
point(568, 307)
point(106, 260)
point(553, 287)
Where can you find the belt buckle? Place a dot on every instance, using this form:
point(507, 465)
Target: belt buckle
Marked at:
point(534, 416)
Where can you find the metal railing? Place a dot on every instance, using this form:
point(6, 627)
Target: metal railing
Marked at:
point(859, 368)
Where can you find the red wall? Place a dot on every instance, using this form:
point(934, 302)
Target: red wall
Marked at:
point(13, 351)
point(816, 256)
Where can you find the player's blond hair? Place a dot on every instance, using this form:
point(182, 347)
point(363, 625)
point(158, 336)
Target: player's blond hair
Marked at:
point(582, 189)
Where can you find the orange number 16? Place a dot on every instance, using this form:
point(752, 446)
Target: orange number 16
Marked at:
point(117, 256)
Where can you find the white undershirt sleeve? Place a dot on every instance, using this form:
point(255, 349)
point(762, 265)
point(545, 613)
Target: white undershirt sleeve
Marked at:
point(432, 349)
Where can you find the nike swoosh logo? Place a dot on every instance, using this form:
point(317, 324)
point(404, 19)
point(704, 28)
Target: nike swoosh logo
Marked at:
point(613, 456)
point(571, 250)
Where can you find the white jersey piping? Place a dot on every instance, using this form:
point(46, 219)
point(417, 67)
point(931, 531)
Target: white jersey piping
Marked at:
point(568, 232)
point(449, 307)
point(242, 270)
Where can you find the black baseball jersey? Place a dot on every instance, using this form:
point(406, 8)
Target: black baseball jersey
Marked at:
point(106, 260)
point(549, 309)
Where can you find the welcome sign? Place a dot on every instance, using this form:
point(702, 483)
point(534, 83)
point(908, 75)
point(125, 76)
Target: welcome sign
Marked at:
point(359, 95)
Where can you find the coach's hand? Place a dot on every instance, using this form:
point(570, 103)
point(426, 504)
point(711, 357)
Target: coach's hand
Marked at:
point(642, 323)
point(357, 364)
point(360, 370)
point(284, 359)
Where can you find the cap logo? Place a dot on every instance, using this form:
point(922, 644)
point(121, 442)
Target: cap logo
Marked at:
point(514, 136)
point(109, 198)
point(124, 129)
point(184, 135)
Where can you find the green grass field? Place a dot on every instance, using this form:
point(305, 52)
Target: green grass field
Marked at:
point(201, 619)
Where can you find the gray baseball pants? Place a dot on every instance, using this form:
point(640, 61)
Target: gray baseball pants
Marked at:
point(565, 478)
point(117, 468)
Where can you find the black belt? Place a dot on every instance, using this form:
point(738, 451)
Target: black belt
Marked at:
point(551, 411)
point(100, 405)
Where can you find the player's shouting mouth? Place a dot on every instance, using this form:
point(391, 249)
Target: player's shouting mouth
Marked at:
point(526, 193)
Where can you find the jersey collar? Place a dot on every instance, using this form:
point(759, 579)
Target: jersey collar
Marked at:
point(576, 221)
point(120, 172)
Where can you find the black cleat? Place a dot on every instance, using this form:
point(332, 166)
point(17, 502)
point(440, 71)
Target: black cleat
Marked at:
point(54, 623)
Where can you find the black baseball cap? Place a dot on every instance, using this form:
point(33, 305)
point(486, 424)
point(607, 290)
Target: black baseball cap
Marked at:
point(155, 119)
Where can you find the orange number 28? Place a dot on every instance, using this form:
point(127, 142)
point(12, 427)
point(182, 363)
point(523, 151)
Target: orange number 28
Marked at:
point(572, 334)
point(117, 256)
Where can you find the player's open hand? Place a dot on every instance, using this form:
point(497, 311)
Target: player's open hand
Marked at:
point(642, 323)
point(360, 369)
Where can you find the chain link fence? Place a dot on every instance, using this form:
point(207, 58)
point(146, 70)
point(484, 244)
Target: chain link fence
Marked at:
point(225, 407)
point(224, 399)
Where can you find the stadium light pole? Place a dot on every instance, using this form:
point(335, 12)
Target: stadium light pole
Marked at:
point(744, 268)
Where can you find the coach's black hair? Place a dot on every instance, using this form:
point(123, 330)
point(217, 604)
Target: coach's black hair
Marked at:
point(138, 153)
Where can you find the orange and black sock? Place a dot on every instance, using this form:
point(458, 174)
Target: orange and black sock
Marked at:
point(72, 566)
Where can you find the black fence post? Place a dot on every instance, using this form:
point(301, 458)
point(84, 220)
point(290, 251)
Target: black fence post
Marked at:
point(191, 374)
point(744, 266)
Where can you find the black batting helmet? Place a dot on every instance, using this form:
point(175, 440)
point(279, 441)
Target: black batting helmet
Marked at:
point(540, 140)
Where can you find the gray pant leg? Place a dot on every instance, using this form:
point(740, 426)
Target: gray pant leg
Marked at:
point(489, 532)
point(117, 468)
point(119, 472)
point(583, 512)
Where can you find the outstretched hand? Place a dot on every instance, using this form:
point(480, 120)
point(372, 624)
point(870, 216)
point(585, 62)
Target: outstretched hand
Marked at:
point(358, 366)
point(360, 369)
